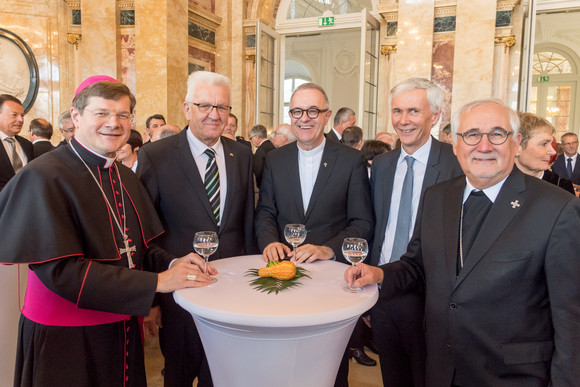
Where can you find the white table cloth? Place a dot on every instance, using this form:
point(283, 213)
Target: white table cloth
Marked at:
point(294, 338)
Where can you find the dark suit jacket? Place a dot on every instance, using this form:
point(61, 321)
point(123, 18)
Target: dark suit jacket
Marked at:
point(339, 207)
point(442, 165)
point(41, 147)
point(561, 182)
point(168, 171)
point(559, 168)
point(260, 159)
point(241, 140)
point(512, 315)
point(6, 170)
point(332, 136)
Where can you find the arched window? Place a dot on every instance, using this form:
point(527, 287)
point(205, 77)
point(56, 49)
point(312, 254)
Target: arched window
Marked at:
point(548, 62)
point(298, 9)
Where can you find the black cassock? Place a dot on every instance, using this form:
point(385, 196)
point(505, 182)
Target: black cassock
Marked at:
point(53, 216)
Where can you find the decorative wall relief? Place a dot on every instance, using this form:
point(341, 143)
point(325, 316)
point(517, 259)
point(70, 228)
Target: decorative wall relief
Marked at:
point(442, 73)
point(18, 69)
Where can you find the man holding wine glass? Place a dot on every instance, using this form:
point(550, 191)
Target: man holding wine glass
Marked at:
point(313, 182)
point(198, 181)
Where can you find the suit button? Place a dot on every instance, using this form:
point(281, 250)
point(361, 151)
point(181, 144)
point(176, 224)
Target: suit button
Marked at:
point(453, 305)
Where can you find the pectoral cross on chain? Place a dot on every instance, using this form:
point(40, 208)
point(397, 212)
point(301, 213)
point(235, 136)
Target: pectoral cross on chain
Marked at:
point(128, 250)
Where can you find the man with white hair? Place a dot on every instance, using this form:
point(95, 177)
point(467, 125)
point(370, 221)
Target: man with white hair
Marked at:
point(199, 181)
point(398, 179)
point(494, 251)
point(283, 135)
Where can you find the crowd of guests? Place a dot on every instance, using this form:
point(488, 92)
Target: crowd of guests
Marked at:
point(477, 265)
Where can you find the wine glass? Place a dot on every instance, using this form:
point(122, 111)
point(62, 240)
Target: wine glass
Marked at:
point(205, 244)
point(295, 234)
point(355, 251)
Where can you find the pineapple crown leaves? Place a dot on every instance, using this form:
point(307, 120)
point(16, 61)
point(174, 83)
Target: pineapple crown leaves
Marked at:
point(273, 285)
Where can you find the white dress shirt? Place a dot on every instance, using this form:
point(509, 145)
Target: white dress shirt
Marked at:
point(197, 150)
point(308, 166)
point(421, 157)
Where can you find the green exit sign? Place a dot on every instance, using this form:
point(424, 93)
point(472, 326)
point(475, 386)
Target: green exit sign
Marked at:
point(544, 78)
point(326, 21)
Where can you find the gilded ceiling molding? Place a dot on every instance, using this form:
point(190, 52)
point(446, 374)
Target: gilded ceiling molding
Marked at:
point(251, 58)
point(125, 4)
point(506, 5)
point(74, 39)
point(74, 4)
point(445, 11)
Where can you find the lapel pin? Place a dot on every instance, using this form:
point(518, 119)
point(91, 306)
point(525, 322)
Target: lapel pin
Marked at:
point(325, 164)
point(231, 154)
point(515, 203)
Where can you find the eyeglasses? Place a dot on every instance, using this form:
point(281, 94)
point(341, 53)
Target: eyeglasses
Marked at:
point(207, 108)
point(72, 130)
point(312, 113)
point(570, 143)
point(106, 115)
point(495, 137)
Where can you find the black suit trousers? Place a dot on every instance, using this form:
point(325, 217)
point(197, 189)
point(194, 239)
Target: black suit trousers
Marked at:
point(399, 333)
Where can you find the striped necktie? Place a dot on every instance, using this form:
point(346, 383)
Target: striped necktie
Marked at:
point(16, 160)
point(212, 183)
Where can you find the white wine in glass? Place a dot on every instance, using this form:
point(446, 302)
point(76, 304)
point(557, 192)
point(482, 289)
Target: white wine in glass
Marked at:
point(295, 234)
point(205, 244)
point(355, 251)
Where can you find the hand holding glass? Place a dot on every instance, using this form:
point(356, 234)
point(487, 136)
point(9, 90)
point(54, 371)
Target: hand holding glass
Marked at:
point(295, 234)
point(355, 251)
point(205, 244)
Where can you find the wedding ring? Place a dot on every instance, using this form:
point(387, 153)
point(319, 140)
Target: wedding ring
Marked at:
point(191, 277)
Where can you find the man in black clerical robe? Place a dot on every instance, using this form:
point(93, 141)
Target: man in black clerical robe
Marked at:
point(62, 215)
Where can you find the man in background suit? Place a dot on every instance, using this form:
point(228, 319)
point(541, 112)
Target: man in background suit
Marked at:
point(173, 170)
point(315, 182)
point(66, 126)
point(40, 134)
point(16, 151)
point(343, 118)
point(397, 324)
point(232, 127)
point(568, 164)
point(499, 264)
point(259, 138)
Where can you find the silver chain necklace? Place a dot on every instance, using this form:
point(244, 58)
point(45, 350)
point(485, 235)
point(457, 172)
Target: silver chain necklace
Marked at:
point(128, 249)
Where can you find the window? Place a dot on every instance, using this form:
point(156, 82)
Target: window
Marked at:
point(312, 8)
point(290, 84)
point(551, 63)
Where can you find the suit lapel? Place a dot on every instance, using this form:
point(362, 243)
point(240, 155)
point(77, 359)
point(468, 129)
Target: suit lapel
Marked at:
point(5, 160)
point(576, 171)
point(293, 175)
point(189, 169)
point(327, 165)
point(232, 176)
point(431, 172)
point(451, 226)
point(505, 208)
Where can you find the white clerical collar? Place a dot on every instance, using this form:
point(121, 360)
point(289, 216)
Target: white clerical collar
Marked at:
point(109, 161)
point(490, 192)
point(312, 152)
point(198, 147)
point(421, 154)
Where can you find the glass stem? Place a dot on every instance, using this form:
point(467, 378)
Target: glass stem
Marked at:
point(205, 267)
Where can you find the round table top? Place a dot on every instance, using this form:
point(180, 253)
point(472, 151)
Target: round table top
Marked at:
point(318, 300)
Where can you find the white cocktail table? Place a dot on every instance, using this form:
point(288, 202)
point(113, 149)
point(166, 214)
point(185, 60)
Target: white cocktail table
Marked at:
point(294, 338)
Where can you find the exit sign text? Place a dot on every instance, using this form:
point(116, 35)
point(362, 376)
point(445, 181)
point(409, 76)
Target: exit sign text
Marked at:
point(544, 78)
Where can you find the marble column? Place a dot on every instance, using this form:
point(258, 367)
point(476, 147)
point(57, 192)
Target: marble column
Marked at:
point(414, 39)
point(100, 48)
point(474, 51)
point(161, 59)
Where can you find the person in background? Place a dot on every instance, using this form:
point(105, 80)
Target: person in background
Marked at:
point(259, 138)
point(283, 135)
point(127, 154)
point(16, 151)
point(66, 126)
point(535, 150)
point(343, 118)
point(165, 131)
point(352, 137)
point(232, 127)
point(446, 131)
point(40, 134)
point(152, 126)
point(387, 138)
point(568, 164)
point(372, 148)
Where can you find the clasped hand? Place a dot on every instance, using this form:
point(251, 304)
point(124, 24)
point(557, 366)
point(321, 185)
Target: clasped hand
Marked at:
point(276, 251)
point(185, 272)
point(361, 275)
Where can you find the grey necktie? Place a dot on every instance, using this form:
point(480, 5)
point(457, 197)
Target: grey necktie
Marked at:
point(405, 213)
point(16, 160)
